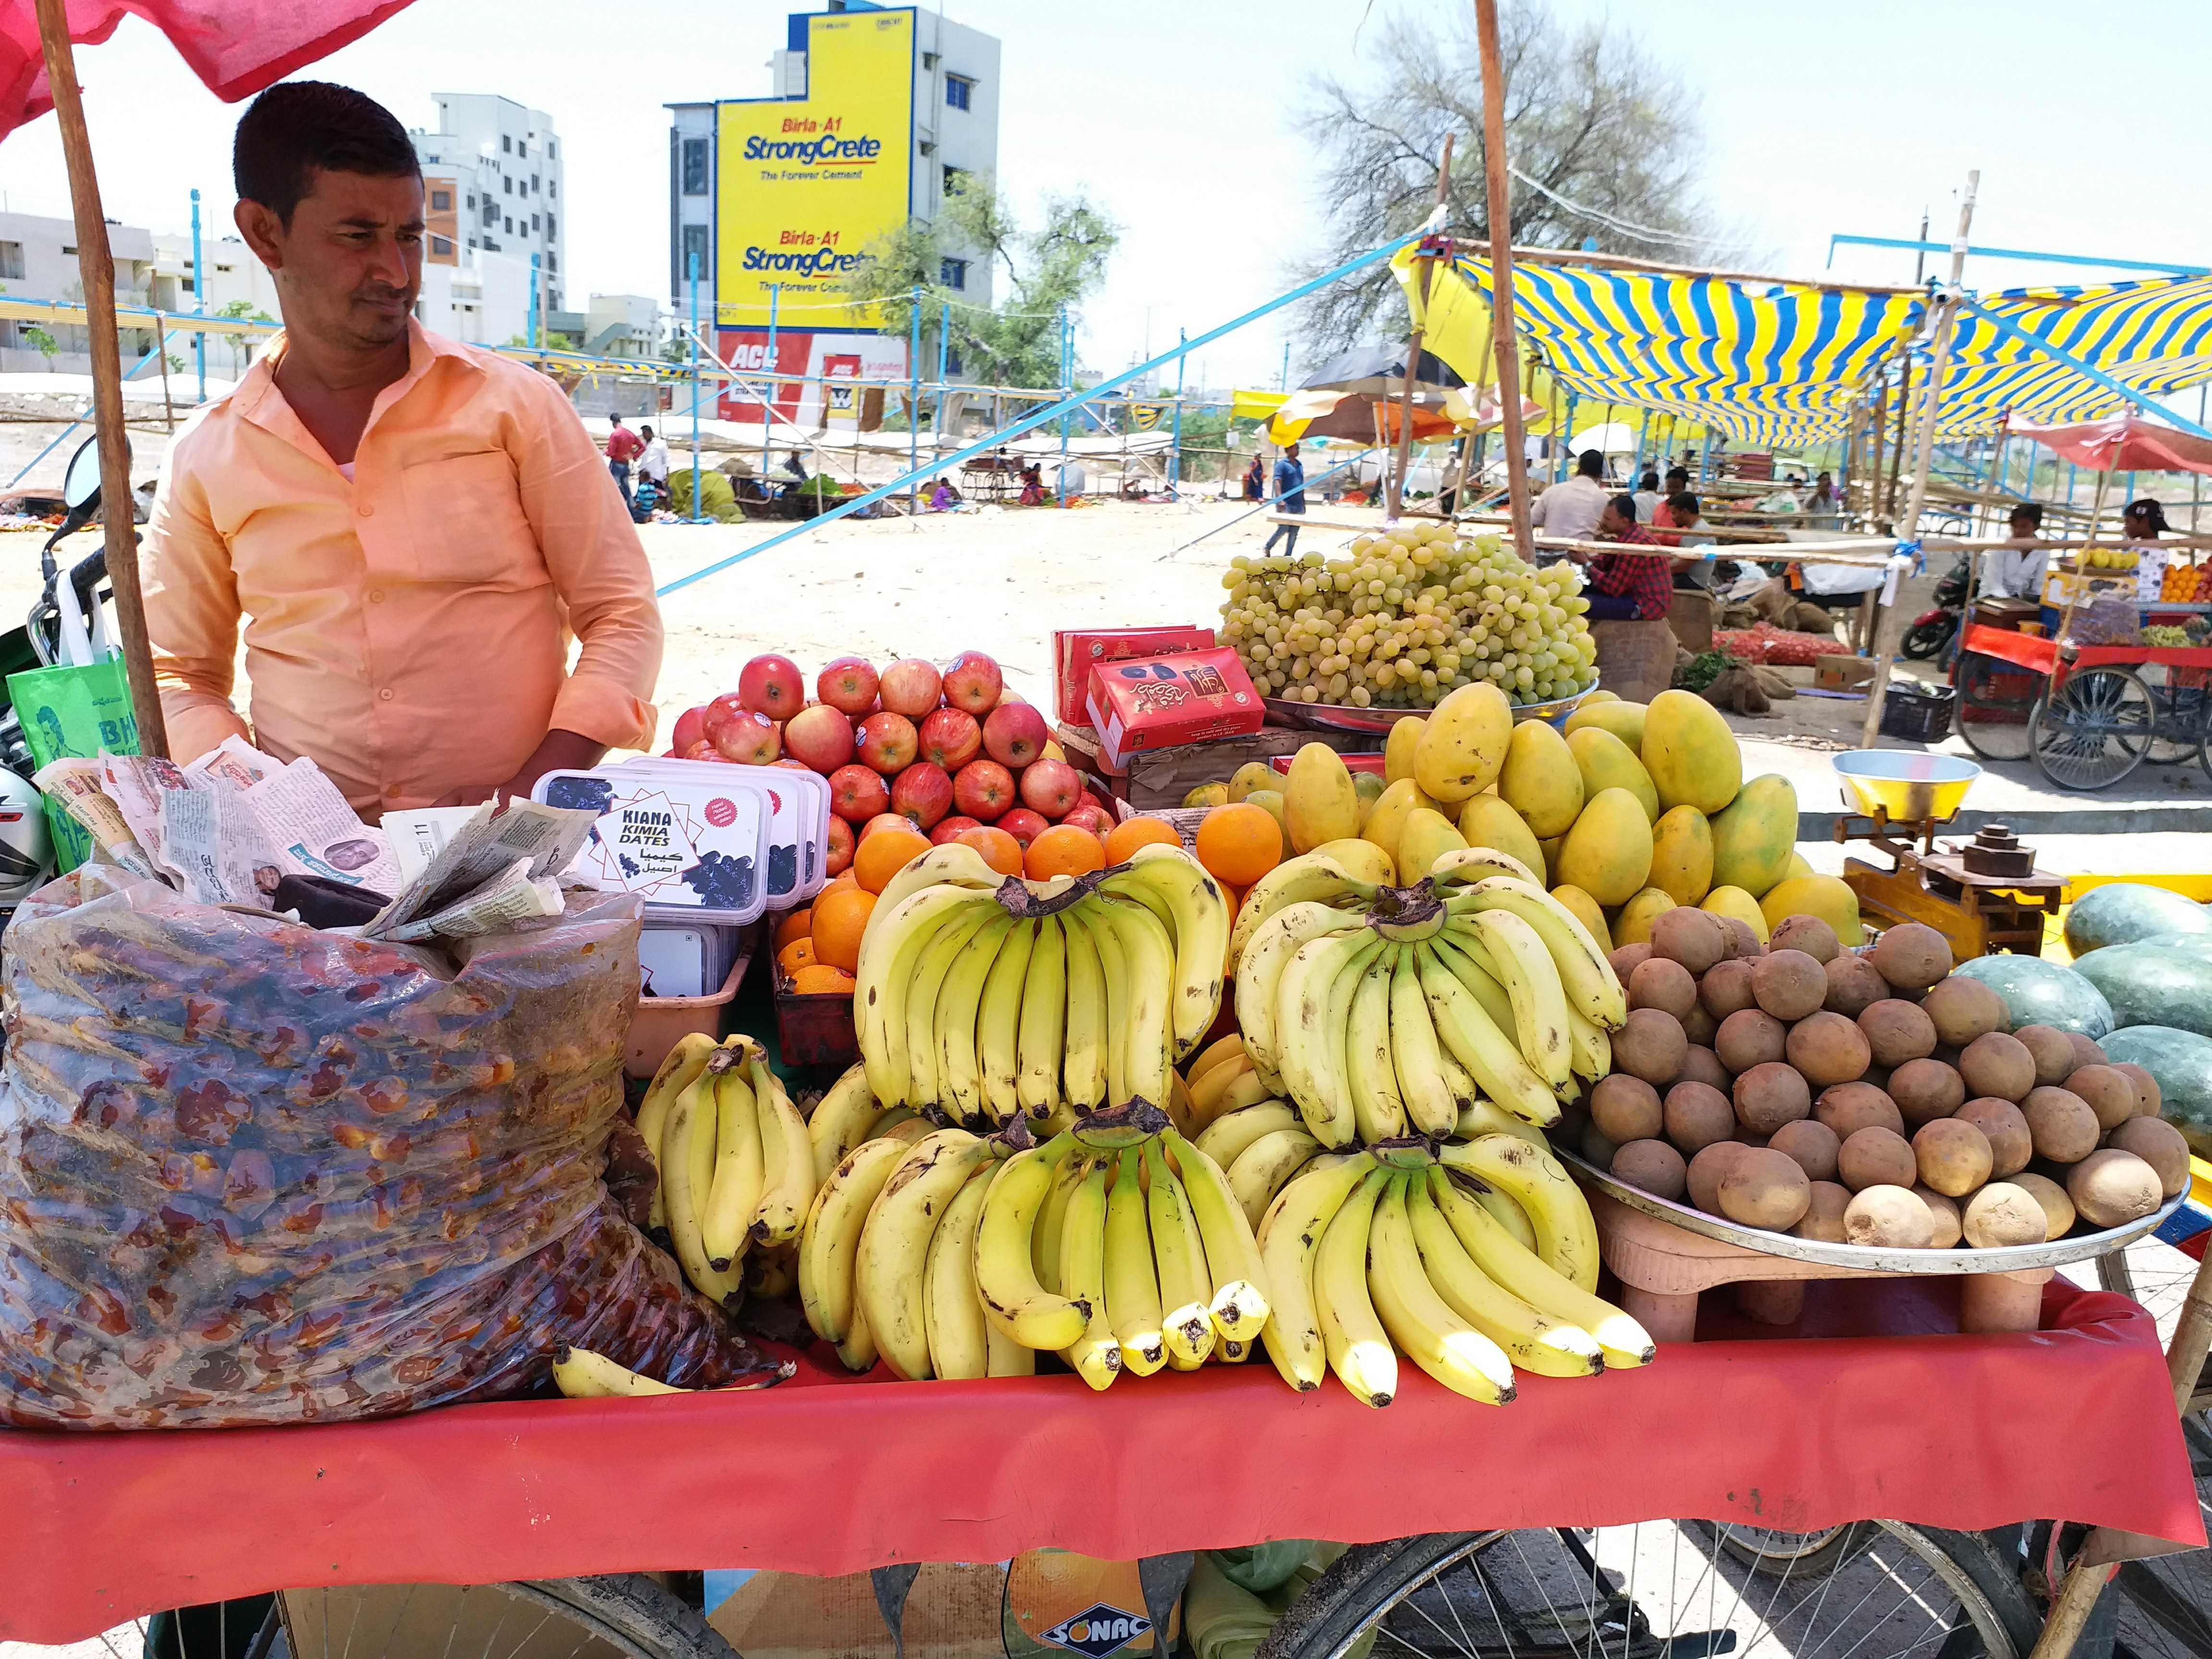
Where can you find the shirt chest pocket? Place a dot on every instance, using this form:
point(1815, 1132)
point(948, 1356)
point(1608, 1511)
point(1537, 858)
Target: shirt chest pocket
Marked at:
point(465, 523)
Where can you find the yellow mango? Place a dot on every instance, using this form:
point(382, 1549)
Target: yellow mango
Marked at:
point(1689, 753)
point(1588, 912)
point(1682, 855)
point(1754, 835)
point(1608, 852)
point(1624, 720)
point(1462, 746)
point(1540, 779)
point(1363, 860)
point(1427, 837)
point(1825, 896)
point(1321, 805)
point(1386, 820)
point(1631, 924)
point(1486, 821)
point(1592, 697)
point(1398, 751)
point(1797, 866)
point(1253, 775)
point(1208, 794)
point(1271, 801)
point(1606, 763)
point(1549, 846)
point(1734, 902)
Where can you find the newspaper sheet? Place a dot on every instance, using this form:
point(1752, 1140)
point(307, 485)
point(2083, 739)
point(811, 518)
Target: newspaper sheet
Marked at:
point(416, 836)
point(483, 849)
point(215, 842)
point(234, 762)
point(314, 831)
point(512, 897)
point(80, 786)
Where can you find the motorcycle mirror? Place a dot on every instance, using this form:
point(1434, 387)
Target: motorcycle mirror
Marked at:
point(81, 485)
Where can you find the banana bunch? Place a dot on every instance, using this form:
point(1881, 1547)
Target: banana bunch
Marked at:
point(1380, 1011)
point(992, 998)
point(1391, 1250)
point(850, 1114)
point(735, 1160)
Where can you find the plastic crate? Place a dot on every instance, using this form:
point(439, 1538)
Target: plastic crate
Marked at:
point(1917, 713)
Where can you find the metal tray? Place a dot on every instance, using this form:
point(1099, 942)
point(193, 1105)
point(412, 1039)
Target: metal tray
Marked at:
point(2058, 1253)
point(1343, 717)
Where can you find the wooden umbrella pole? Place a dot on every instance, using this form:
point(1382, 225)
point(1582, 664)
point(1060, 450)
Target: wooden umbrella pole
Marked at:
point(1427, 262)
point(97, 265)
point(1896, 451)
point(1501, 277)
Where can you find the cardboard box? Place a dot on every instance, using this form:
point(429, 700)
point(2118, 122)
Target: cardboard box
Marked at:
point(1153, 780)
point(1076, 652)
point(1842, 673)
point(1165, 702)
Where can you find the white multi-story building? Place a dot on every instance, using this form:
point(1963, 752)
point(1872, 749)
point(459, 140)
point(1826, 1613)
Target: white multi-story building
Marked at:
point(38, 261)
point(493, 173)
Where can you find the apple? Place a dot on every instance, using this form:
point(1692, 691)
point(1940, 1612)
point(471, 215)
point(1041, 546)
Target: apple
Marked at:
point(772, 686)
point(703, 750)
point(794, 765)
point(857, 795)
point(950, 828)
point(691, 726)
point(950, 739)
point(973, 683)
point(848, 684)
point(1086, 814)
point(1024, 826)
point(720, 713)
point(983, 789)
point(1052, 787)
point(910, 688)
point(820, 736)
point(1014, 734)
point(749, 739)
point(923, 793)
point(887, 742)
point(885, 821)
point(1011, 695)
point(837, 854)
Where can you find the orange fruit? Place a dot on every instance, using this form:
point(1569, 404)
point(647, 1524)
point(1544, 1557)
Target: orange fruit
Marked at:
point(840, 918)
point(798, 954)
point(1063, 850)
point(1000, 850)
point(883, 854)
point(816, 980)
point(798, 924)
point(837, 883)
point(1126, 837)
point(1240, 843)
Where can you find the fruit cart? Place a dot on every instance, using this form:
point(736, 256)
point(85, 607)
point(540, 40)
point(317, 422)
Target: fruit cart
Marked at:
point(2086, 714)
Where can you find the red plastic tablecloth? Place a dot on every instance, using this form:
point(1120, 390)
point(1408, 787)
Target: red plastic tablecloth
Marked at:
point(2074, 1421)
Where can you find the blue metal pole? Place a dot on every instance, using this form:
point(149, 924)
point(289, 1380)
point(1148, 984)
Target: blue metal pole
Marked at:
point(1066, 375)
point(1030, 423)
point(913, 396)
point(1174, 443)
point(944, 341)
point(200, 298)
point(1910, 246)
point(535, 340)
point(1285, 385)
point(774, 295)
point(691, 262)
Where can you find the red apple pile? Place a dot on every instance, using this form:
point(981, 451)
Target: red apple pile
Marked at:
point(909, 745)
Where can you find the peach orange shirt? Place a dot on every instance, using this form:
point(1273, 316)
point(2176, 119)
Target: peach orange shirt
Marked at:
point(407, 628)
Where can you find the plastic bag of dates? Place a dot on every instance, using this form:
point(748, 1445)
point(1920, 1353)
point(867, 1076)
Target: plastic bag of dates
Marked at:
point(254, 1173)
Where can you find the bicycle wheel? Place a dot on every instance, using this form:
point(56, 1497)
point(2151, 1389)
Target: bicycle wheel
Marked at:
point(1994, 700)
point(2093, 730)
point(1667, 1589)
point(2179, 732)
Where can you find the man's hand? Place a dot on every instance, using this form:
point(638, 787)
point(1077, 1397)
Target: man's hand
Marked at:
point(561, 752)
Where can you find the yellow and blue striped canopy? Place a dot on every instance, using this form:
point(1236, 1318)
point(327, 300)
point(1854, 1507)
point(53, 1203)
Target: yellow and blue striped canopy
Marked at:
point(2154, 335)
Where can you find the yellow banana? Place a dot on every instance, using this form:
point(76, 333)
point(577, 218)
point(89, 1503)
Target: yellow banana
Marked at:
point(1289, 1238)
point(831, 1239)
point(1205, 1094)
point(1359, 1348)
point(842, 1120)
point(1132, 1285)
point(1199, 930)
point(1457, 1082)
point(1533, 1339)
point(857, 1352)
point(787, 1160)
point(1540, 1005)
point(959, 1339)
point(1214, 1053)
point(579, 1374)
point(1044, 1246)
point(1005, 1277)
point(1480, 1117)
point(1232, 1131)
point(1590, 1049)
point(688, 1173)
point(1260, 974)
point(1460, 949)
point(1114, 976)
point(772, 1272)
point(1469, 865)
point(1239, 1303)
point(678, 1070)
point(1378, 1109)
point(1517, 1268)
point(960, 1071)
point(1566, 1236)
point(885, 978)
point(1487, 1052)
point(887, 1274)
point(998, 1024)
point(1262, 1169)
point(1432, 1335)
point(1097, 1354)
point(1416, 1056)
point(1085, 1069)
point(1007, 1357)
point(1232, 1353)
point(1584, 969)
point(1185, 1290)
point(952, 863)
point(734, 1196)
point(1040, 1043)
point(1314, 877)
point(923, 1040)
point(1312, 1010)
point(1148, 958)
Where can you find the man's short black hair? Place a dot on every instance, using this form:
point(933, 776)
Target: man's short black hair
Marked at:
point(646, 430)
point(1648, 481)
point(1625, 507)
point(1681, 472)
point(1683, 502)
point(2031, 511)
point(1590, 464)
point(298, 126)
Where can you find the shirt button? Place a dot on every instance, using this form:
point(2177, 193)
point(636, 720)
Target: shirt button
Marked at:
point(366, 509)
point(385, 696)
point(376, 596)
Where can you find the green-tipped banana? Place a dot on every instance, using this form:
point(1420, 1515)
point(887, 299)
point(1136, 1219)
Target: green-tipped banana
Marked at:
point(1489, 1054)
point(1005, 1276)
point(1186, 1291)
point(1041, 1039)
point(1097, 1354)
point(1517, 1268)
point(998, 1024)
point(1201, 931)
point(1290, 1239)
point(1378, 1109)
point(1433, 1334)
point(1133, 1286)
point(1566, 1235)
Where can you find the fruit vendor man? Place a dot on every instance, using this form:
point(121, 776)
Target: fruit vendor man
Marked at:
point(411, 531)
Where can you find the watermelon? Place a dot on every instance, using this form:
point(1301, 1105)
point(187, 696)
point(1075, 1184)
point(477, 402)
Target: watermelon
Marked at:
point(2182, 1063)
point(2153, 984)
point(2039, 992)
point(2125, 912)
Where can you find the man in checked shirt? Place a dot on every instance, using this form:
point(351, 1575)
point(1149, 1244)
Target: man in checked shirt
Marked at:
point(1623, 587)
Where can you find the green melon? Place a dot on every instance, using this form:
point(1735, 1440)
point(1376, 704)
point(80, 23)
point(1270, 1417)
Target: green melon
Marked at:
point(2039, 992)
point(2153, 984)
point(2125, 912)
point(2182, 1063)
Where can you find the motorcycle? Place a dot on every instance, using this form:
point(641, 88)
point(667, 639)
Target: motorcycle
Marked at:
point(1933, 629)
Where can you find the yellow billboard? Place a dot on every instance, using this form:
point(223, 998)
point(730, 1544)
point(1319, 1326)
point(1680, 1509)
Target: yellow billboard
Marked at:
point(807, 183)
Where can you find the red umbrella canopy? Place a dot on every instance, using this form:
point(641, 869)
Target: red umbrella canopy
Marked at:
point(236, 46)
point(2123, 444)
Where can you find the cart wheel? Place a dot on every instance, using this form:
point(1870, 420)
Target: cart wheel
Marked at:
point(625, 1614)
point(1995, 701)
point(2095, 730)
point(2180, 731)
point(1667, 1589)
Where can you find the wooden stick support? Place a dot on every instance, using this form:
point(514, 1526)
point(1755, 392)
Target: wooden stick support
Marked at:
point(1427, 262)
point(1500, 214)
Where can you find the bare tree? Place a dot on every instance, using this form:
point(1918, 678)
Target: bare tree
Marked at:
point(1612, 137)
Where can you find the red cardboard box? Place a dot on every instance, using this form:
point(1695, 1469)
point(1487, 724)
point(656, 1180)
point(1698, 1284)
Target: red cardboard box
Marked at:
point(1076, 652)
point(1163, 702)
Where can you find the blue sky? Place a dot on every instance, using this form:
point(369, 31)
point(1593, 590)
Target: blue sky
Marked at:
point(1175, 116)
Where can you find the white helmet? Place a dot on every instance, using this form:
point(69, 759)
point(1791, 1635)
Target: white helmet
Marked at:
point(27, 852)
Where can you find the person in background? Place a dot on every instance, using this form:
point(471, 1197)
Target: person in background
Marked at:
point(1032, 485)
point(653, 460)
point(624, 446)
point(943, 497)
point(1572, 507)
point(2144, 521)
point(1648, 498)
point(2017, 573)
point(1626, 587)
point(1690, 531)
point(1823, 498)
point(1290, 497)
point(1255, 480)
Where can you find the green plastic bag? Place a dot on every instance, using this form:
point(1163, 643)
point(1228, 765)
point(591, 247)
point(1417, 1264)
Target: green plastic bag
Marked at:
point(77, 712)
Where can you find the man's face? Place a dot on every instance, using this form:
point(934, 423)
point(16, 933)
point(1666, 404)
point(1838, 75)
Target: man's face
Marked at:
point(349, 264)
point(1608, 523)
point(2023, 527)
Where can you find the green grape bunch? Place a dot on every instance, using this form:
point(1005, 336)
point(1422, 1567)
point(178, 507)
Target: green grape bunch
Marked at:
point(1405, 619)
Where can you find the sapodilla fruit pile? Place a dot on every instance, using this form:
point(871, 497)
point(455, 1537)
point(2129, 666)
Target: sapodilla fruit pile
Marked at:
point(991, 997)
point(1382, 1011)
point(1865, 1098)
